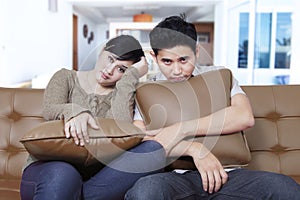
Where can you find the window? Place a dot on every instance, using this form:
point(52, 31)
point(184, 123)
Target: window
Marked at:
point(243, 40)
point(283, 41)
point(263, 40)
point(271, 29)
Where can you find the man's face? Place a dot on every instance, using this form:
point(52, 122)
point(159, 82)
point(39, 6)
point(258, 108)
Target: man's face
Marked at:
point(177, 64)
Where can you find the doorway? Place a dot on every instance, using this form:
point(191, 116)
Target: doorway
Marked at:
point(75, 43)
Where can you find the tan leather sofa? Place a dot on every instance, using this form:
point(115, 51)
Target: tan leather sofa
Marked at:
point(274, 140)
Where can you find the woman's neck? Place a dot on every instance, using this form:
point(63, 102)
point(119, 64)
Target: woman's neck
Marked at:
point(89, 83)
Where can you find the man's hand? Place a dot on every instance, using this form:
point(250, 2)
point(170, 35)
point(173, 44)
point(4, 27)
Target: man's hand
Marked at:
point(77, 128)
point(212, 172)
point(142, 66)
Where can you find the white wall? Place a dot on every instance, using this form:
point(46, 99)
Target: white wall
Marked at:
point(33, 40)
point(88, 52)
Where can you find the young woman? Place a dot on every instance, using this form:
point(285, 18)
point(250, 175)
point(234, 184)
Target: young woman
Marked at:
point(107, 91)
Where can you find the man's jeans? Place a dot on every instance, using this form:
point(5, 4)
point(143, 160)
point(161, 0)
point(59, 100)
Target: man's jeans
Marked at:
point(55, 180)
point(242, 184)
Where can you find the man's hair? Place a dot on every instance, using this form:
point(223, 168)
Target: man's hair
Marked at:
point(173, 31)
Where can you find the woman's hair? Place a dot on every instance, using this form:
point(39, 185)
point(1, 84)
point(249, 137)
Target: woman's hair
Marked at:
point(173, 31)
point(125, 47)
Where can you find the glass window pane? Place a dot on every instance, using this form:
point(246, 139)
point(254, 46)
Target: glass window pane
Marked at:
point(243, 40)
point(263, 40)
point(283, 41)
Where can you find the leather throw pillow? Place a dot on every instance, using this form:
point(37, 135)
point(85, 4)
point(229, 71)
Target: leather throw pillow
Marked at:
point(47, 141)
point(163, 103)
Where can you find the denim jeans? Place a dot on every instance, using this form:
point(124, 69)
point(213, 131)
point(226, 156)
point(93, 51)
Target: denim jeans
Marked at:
point(57, 180)
point(242, 184)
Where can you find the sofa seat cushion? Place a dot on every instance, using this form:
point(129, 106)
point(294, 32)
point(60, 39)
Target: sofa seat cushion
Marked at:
point(9, 189)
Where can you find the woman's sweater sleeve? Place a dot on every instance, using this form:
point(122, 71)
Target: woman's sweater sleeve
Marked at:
point(57, 97)
point(122, 102)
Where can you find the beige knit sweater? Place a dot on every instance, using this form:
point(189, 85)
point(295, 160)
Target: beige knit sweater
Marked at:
point(64, 98)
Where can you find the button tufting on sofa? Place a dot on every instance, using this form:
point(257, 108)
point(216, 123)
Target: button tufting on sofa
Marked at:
point(20, 111)
point(273, 116)
point(274, 141)
point(14, 116)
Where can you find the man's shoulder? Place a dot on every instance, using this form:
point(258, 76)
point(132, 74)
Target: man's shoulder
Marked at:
point(203, 69)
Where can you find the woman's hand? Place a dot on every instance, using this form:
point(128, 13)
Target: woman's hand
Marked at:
point(77, 128)
point(142, 66)
point(212, 172)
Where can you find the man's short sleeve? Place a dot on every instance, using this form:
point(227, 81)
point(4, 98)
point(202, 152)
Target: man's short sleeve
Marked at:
point(236, 89)
point(137, 114)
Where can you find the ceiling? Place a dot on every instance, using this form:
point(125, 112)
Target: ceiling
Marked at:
point(105, 11)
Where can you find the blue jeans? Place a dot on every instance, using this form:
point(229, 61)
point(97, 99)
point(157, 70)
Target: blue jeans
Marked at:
point(242, 184)
point(57, 180)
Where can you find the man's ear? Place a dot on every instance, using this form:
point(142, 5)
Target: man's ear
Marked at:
point(153, 56)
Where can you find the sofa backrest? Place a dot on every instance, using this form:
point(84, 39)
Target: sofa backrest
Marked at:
point(20, 111)
point(274, 140)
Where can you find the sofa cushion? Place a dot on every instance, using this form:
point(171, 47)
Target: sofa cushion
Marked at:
point(274, 140)
point(47, 141)
point(20, 111)
point(163, 103)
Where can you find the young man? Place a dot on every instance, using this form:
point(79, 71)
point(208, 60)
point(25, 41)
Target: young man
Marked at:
point(175, 51)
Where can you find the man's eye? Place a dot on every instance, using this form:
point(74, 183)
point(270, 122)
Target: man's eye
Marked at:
point(167, 62)
point(183, 60)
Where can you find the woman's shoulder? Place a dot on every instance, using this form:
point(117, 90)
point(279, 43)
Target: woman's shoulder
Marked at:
point(63, 76)
point(64, 73)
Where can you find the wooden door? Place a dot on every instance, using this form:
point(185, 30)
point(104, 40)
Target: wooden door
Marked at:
point(75, 42)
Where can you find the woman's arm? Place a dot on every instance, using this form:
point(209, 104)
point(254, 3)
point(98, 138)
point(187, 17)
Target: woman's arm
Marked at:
point(122, 103)
point(58, 105)
point(57, 102)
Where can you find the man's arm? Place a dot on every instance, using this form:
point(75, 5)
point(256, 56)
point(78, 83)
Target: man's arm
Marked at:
point(231, 119)
point(212, 173)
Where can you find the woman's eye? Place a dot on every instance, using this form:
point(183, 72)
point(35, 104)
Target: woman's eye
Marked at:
point(110, 59)
point(121, 69)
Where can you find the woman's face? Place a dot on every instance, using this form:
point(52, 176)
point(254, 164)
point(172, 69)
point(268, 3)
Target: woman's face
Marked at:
point(109, 69)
